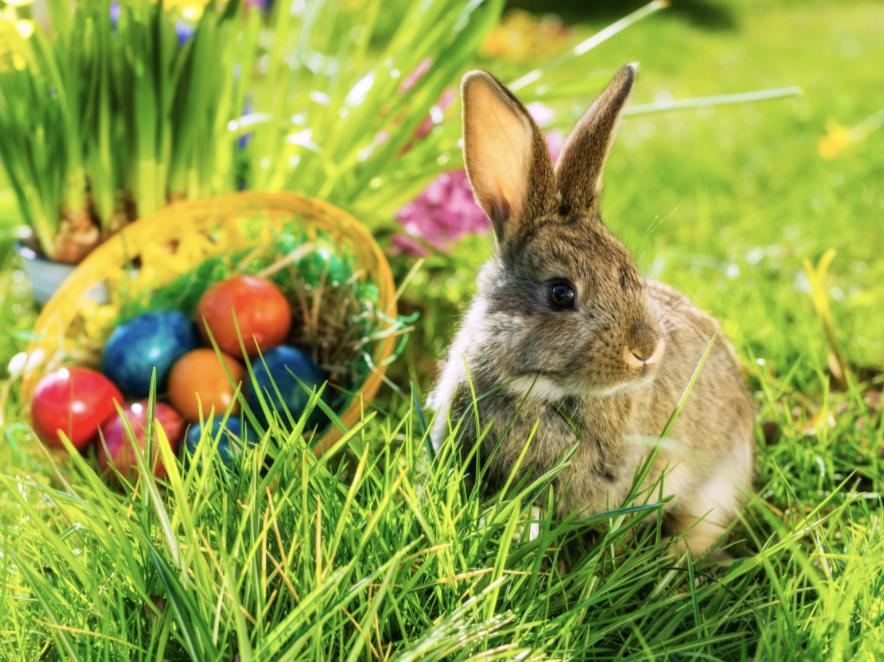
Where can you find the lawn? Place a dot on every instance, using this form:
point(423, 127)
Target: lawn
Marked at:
point(354, 559)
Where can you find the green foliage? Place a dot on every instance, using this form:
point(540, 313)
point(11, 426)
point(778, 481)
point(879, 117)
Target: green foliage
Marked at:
point(298, 103)
point(349, 122)
point(97, 114)
point(370, 553)
point(726, 208)
point(294, 102)
point(39, 132)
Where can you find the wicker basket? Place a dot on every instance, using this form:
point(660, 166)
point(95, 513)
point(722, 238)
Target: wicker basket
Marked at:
point(167, 226)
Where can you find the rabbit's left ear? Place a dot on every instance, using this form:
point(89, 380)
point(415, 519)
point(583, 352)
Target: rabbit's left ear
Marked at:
point(506, 158)
point(579, 169)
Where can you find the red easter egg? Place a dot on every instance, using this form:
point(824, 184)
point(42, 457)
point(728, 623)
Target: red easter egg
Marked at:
point(262, 312)
point(73, 401)
point(119, 449)
point(198, 379)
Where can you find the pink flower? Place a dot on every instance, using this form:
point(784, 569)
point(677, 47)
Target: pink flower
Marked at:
point(446, 210)
point(443, 213)
point(415, 75)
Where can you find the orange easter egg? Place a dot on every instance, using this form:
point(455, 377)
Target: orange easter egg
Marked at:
point(198, 379)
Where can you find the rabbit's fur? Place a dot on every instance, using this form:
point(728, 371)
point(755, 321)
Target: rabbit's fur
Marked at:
point(616, 363)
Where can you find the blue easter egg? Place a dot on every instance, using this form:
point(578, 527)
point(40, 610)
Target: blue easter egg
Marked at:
point(277, 364)
point(228, 448)
point(153, 340)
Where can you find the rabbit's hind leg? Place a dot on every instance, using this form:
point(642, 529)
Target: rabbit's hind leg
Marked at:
point(702, 518)
point(695, 536)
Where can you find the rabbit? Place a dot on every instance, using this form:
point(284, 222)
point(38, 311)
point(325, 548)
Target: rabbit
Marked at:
point(562, 323)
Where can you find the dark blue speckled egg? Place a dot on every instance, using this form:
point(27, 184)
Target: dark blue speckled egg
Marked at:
point(231, 443)
point(278, 364)
point(153, 340)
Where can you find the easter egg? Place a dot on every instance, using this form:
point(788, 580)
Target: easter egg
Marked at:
point(230, 444)
point(75, 401)
point(198, 379)
point(119, 448)
point(275, 369)
point(153, 340)
point(262, 313)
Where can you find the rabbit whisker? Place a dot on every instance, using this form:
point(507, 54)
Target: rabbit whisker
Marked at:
point(668, 310)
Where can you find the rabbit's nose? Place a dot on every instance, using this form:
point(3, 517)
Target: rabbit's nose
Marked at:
point(639, 357)
point(646, 347)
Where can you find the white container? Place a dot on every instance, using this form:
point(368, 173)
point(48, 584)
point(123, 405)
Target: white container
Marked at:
point(46, 276)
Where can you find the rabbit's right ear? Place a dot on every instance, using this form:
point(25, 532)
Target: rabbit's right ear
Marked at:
point(506, 156)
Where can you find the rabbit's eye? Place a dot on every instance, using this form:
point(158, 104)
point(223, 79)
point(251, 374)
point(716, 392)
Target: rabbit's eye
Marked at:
point(561, 295)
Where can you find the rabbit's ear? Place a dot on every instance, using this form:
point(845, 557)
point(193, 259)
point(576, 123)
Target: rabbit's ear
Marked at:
point(579, 169)
point(506, 157)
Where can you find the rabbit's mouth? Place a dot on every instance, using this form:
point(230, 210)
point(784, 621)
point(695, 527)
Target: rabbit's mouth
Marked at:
point(555, 388)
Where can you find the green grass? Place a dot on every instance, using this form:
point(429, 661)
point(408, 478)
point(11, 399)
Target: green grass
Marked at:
point(738, 200)
point(372, 558)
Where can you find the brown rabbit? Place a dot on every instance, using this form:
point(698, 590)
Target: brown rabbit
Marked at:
point(562, 314)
